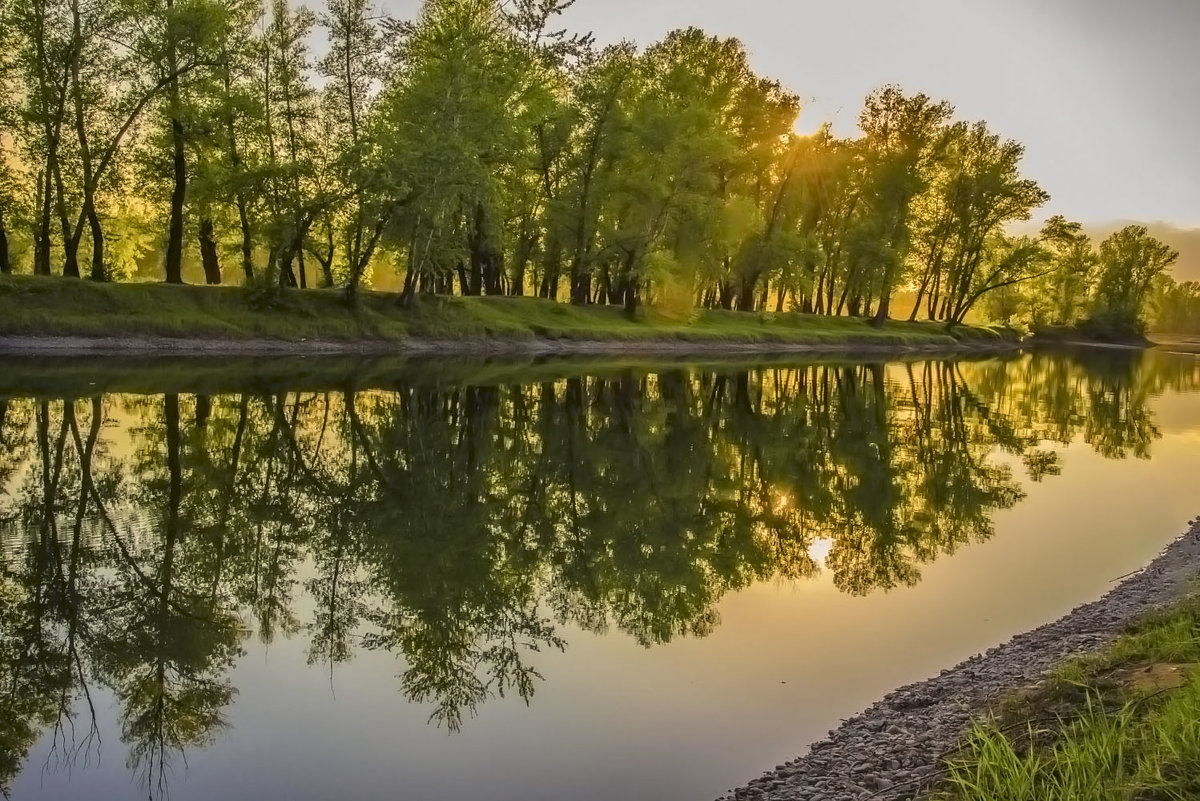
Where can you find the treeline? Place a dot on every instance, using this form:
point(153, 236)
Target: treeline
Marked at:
point(477, 149)
point(1177, 308)
point(1113, 290)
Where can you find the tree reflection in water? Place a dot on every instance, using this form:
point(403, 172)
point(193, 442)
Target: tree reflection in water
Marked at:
point(462, 527)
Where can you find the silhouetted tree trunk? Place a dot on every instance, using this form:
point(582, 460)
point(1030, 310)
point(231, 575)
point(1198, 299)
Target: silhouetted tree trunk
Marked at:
point(287, 276)
point(41, 242)
point(5, 264)
point(247, 239)
point(99, 273)
point(203, 410)
point(881, 314)
point(727, 294)
point(208, 253)
point(174, 265)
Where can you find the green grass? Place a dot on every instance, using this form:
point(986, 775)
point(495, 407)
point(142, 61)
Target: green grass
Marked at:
point(41, 306)
point(1123, 725)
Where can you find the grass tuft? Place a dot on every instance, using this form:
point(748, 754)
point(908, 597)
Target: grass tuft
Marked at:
point(1097, 730)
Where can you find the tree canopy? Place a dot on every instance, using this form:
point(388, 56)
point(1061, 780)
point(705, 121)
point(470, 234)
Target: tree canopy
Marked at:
point(478, 148)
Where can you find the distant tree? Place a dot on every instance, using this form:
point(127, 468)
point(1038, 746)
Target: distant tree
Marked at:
point(1131, 261)
point(1060, 298)
point(1176, 307)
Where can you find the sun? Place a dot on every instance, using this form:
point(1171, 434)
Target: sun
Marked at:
point(803, 128)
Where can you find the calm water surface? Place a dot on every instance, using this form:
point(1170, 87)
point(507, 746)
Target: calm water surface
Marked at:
point(321, 579)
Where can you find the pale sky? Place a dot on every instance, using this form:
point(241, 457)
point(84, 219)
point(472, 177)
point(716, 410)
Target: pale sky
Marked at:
point(1103, 93)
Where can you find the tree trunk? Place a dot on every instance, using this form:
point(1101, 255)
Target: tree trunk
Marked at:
point(726, 299)
point(287, 276)
point(551, 272)
point(881, 314)
point(464, 284)
point(99, 272)
point(5, 264)
point(247, 238)
point(581, 286)
point(208, 253)
point(326, 270)
point(745, 300)
point(174, 263)
point(41, 246)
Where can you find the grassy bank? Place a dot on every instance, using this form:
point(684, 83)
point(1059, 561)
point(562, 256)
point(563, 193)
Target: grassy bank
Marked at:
point(55, 307)
point(1123, 725)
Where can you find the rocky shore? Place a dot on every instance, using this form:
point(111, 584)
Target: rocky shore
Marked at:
point(892, 751)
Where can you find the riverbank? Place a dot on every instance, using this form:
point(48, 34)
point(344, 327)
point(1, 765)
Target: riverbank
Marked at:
point(895, 750)
point(53, 315)
point(1120, 724)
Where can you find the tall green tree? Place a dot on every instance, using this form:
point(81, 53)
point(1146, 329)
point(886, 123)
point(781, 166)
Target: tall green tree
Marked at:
point(353, 66)
point(904, 137)
point(1131, 260)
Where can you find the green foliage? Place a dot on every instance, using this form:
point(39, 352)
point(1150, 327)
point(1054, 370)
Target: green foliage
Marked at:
point(1116, 741)
point(1131, 261)
point(478, 149)
point(1077, 291)
point(1177, 307)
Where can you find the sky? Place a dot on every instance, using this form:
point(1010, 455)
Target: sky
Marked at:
point(1103, 93)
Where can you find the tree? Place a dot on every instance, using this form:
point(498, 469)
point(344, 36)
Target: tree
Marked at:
point(1061, 296)
point(1130, 262)
point(174, 46)
point(903, 138)
point(1177, 307)
point(352, 66)
point(978, 191)
point(11, 189)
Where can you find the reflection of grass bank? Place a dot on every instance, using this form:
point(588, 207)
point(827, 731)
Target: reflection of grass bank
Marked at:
point(85, 376)
point(1122, 724)
point(53, 307)
point(1099, 332)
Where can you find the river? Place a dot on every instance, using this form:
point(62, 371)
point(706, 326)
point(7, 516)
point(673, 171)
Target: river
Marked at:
point(325, 578)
